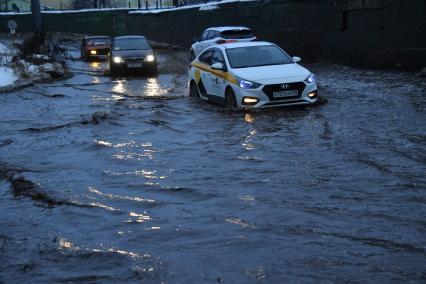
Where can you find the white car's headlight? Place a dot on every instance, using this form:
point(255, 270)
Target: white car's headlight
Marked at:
point(150, 58)
point(118, 59)
point(311, 79)
point(245, 84)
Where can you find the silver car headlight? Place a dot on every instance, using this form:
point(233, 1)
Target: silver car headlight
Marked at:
point(311, 79)
point(118, 59)
point(245, 84)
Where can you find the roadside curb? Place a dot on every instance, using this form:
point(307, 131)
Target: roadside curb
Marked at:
point(22, 83)
point(18, 84)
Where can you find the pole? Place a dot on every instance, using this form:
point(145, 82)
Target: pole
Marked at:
point(36, 11)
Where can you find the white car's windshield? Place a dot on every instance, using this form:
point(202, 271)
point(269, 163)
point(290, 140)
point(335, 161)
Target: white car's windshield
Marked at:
point(252, 56)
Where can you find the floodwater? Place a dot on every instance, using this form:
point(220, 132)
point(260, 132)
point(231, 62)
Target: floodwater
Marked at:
point(127, 180)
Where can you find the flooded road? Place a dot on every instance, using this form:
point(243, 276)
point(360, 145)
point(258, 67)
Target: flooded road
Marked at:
point(127, 180)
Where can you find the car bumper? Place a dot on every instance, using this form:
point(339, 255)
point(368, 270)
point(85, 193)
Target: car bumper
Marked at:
point(99, 52)
point(128, 66)
point(265, 101)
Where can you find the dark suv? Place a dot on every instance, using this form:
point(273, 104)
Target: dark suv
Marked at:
point(132, 53)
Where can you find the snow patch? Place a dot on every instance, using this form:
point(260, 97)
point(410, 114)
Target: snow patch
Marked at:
point(68, 11)
point(6, 54)
point(202, 7)
point(3, 48)
point(7, 76)
point(209, 8)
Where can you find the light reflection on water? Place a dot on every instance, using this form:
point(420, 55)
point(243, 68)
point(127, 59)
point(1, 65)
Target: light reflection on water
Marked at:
point(148, 174)
point(146, 150)
point(96, 80)
point(248, 145)
point(66, 245)
point(153, 88)
point(131, 144)
point(249, 117)
point(120, 197)
point(150, 87)
point(119, 87)
point(95, 65)
point(138, 218)
point(103, 206)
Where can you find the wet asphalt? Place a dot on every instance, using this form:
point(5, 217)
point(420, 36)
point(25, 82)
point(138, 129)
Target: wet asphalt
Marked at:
point(128, 180)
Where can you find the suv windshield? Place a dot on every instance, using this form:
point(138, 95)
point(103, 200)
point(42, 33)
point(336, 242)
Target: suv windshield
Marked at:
point(98, 41)
point(252, 56)
point(131, 44)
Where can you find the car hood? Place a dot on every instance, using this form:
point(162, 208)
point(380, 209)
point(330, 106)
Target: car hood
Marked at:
point(132, 53)
point(273, 74)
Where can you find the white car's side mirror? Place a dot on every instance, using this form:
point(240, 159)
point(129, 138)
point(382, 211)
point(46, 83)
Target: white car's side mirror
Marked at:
point(217, 66)
point(297, 59)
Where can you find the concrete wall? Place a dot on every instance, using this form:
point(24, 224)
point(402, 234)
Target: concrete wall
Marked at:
point(378, 33)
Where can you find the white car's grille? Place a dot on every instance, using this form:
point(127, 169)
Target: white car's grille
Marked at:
point(269, 90)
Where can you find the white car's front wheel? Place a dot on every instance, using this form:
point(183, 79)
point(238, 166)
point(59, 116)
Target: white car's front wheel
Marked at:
point(230, 100)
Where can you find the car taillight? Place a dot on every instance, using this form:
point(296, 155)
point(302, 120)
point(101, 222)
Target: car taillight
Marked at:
point(222, 41)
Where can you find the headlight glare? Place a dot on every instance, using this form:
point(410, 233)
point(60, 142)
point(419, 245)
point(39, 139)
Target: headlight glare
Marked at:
point(311, 79)
point(245, 84)
point(150, 58)
point(93, 52)
point(117, 59)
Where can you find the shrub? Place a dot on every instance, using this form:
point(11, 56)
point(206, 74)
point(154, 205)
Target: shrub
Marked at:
point(40, 49)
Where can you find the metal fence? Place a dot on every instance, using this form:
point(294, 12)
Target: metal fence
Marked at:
point(18, 6)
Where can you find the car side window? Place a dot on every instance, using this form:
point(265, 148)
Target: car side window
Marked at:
point(206, 57)
point(204, 36)
point(211, 35)
point(216, 34)
point(218, 57)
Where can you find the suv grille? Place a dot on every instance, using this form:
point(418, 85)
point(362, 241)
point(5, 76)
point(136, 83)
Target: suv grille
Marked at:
point(270, 89)
point(134, 59)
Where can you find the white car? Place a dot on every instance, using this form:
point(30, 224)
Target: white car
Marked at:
point(251, 75)
point(218, 35)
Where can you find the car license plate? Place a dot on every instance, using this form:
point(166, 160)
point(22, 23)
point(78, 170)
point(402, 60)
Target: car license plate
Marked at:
point(286, 94)
point(134, 65)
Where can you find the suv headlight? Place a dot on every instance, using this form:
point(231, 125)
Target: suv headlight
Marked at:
point(245, 84)
point(311, 79)
point(150, 58)
point(118, 59)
